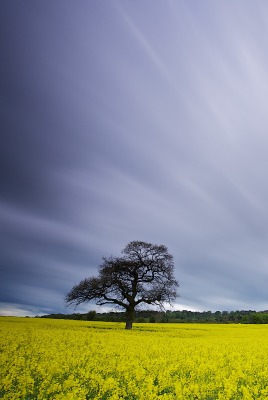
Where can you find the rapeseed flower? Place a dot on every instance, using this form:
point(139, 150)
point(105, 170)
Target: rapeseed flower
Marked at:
point(78, 360)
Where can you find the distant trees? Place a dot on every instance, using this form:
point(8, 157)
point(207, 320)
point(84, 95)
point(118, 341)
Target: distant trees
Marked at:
point(143, 275)
point(218, 317)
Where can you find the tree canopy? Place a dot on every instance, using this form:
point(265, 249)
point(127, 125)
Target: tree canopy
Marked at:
point(143, 274)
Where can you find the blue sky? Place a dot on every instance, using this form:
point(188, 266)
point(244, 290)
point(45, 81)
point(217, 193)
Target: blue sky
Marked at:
point(124, 121)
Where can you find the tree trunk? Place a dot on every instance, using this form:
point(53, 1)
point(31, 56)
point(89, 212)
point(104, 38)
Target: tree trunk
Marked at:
point(129, 318)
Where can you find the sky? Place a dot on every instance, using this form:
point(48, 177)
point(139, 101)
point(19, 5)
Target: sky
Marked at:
point(133, 120)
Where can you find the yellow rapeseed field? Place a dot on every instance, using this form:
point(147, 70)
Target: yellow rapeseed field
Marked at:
point(79, 360)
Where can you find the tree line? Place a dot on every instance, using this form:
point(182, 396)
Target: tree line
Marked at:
point(145, 316)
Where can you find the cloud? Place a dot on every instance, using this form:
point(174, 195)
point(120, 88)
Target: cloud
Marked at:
point(121, 123)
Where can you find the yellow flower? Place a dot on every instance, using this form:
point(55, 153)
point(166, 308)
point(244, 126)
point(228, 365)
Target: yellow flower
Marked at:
point(77, 360)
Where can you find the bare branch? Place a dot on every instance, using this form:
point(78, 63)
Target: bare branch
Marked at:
point(145, 274)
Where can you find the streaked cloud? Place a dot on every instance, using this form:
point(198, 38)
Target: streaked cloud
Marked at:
point(134, 121)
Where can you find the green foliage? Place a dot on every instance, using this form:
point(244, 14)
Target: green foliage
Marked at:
point(220, 317)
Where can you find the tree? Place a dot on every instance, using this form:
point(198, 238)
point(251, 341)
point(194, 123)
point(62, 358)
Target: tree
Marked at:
point(144, 274)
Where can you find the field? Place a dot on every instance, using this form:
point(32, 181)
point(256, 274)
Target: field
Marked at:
point(78, 360)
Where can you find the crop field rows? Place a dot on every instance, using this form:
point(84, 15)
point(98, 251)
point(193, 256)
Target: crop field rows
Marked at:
point(78, 360)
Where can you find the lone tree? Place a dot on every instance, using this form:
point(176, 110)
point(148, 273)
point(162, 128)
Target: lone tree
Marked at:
point(144, 274)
